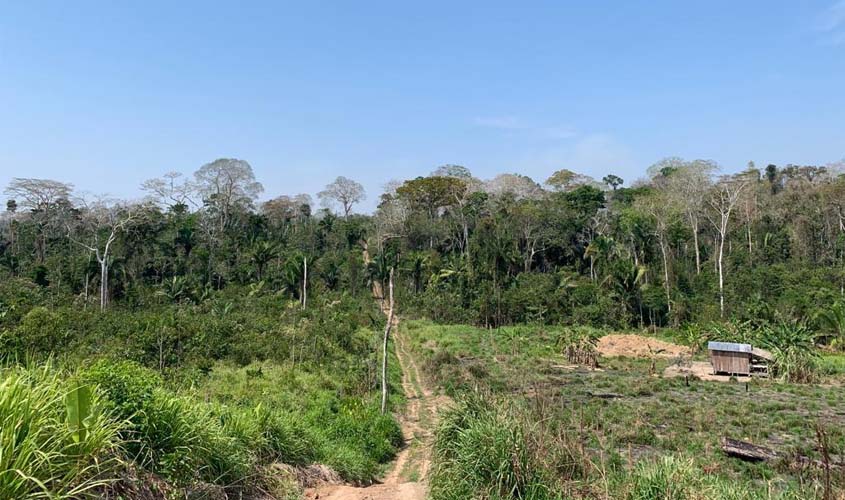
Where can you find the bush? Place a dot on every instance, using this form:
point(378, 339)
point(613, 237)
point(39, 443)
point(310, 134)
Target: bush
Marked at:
point(354, 437)
point(40, 331)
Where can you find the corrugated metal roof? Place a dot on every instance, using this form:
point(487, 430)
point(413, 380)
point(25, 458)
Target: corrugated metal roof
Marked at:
point(728, 346)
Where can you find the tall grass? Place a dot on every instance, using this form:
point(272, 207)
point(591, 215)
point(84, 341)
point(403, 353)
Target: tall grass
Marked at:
point(43, 452)
point(488, 451)
point(676, 477)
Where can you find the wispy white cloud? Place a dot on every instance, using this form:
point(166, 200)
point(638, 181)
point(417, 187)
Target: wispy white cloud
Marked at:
point(512, 124)
point(831, 24)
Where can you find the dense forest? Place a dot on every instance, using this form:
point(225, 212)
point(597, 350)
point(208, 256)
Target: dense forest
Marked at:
point(214, 341)
point(686, 244)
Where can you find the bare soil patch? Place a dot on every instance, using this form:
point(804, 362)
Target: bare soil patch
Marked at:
point(702, 370)
point(637, 346)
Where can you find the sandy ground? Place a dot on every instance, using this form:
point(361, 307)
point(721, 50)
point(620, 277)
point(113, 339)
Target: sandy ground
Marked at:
point(637, 346)
point(703, 370)
point(406, 479)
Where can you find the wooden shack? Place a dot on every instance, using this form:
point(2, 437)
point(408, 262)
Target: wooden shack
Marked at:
point(729, 358)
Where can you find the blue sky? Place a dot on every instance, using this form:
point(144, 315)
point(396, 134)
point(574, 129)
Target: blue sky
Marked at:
point(107, 94)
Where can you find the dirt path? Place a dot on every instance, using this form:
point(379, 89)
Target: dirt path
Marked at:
point(406, 478)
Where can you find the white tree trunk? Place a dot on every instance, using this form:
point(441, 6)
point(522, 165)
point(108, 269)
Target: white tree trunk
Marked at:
point(666, 274)
point(721, 277)
point(384, 346)
point(304, 282)
point(104, 276)
point(697, 251)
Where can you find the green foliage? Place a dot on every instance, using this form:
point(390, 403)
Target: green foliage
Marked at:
point(832, 320)
point(678, 478)
point(78, 404)
point(488, 451)
point(56, 442)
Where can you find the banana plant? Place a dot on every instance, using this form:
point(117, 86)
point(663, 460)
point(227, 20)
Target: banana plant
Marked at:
point(78, 408)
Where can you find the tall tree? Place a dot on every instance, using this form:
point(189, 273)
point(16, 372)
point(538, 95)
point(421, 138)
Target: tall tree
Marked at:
point(688, 185)
point(724, 197)
point(343, 191)
point(96, 231)
point(614, 181)
point(387, 328)
point(226, 184)
point(567, 180)
point(170, 190)
point(45, 199)
point(663, 216)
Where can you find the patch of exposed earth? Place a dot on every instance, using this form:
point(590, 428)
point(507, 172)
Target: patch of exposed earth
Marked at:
point(638, 346)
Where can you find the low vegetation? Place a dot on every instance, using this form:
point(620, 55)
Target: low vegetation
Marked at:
point(194, 394)
point(620, 431)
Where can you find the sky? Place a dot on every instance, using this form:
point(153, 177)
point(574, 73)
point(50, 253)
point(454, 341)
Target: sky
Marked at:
point(104, 95)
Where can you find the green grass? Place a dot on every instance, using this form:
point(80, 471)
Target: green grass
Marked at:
point(646, 418)
point(215, 392)
point(832, 365)
point(49, 447)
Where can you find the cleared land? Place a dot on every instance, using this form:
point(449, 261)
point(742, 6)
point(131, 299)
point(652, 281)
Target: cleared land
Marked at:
point(626, 416)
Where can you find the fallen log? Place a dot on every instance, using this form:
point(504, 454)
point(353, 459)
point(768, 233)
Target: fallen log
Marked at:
point(604, 395)
point(747, 451)
point(753, 453)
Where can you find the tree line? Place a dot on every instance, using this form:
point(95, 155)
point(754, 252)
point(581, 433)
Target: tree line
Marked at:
point(687, 243)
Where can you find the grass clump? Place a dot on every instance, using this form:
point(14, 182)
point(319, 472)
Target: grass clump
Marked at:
point(485, 450)
point(181, 439)
point(55, 439)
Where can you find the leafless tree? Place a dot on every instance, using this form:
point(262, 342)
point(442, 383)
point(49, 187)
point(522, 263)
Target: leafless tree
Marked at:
point(461, 193)
point(390, 218)
point(723, 199)
point(283, 209)
point(688, 187)
point(520, 186)
point(170, 190)
point(96, 231)
point(343, 191)
point(384, 344)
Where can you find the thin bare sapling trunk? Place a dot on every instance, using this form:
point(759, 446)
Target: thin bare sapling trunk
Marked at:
point(304, 282)
point(384, 345)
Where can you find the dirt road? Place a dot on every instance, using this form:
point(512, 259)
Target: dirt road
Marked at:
point(406, 479)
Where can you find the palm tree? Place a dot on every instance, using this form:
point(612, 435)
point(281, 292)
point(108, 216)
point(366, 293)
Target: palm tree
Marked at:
point(175, 289)
point(417, 263)
point(833, 319)
point(626, 281)
point(262, 253)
